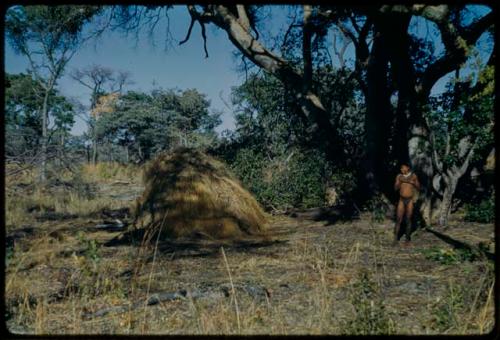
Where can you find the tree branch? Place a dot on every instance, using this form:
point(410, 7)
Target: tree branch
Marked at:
point(243, 17)
point(204, 36)
point(457, 42)
point(201, 18)
point(188, 35)
point(340, 54)
point(306, 48)
point(438, 164)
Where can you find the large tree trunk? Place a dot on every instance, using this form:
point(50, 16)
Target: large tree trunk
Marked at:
point(409, 140)
point(398, 47)
point(309, 102)
point(449, 190)
point(378, 117)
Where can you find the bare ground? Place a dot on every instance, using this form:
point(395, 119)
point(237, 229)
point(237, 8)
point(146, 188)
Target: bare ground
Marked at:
point(313, 274)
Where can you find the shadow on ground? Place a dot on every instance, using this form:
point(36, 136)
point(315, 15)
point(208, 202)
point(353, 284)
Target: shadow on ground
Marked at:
point(195, 246)
point(329, 215)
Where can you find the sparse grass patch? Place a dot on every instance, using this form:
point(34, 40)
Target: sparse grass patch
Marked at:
point(309, 277)
point(466, 307)
point(450, 256)
point(447, 309)
point(108, 171)
point(370, 316)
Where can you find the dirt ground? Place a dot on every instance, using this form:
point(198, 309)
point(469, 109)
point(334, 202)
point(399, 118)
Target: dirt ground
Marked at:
point(315, 273)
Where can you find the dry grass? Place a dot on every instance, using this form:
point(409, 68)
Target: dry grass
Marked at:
point(200, 195)
point(314, 278)
point(111, 171)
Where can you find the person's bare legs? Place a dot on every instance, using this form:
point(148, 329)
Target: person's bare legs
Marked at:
point(400, 212)
point(409, 214)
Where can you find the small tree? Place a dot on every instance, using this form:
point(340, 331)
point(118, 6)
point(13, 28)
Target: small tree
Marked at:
point(461, 122)
point(48, 36)
point(23, 99)
point(146, 123)
point(99, 80)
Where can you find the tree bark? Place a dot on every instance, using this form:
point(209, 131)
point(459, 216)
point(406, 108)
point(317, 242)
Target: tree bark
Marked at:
point(310, 104)
point(94, 151)
point(127, 154)
point(409, 141)
point(45, 118)
point(398, 46)
point(88, 154)
point(378, 114)
point(449, 190)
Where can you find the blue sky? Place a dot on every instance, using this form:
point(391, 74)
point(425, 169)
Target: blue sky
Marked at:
point(182, 66)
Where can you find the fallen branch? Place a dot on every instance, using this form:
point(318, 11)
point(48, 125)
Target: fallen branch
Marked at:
point(221, 292)
point(153, 300)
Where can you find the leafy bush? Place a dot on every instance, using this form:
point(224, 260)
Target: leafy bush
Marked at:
point(450, 255)
point(484, 212)
point(377, 206)
point(446, 313)
point(343, 181)
point(286, 181)
point(370, 315)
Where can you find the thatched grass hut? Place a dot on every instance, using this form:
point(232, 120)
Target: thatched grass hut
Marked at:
point(188, 192)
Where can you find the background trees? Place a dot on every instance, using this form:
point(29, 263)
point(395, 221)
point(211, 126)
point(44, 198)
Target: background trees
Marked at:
point(349, 89)
point(397, 63)
point(100, 81)
point(144, 124)
point(48, 36)
point(23, 119)
point(461, 124)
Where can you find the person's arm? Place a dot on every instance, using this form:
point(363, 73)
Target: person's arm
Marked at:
point(397, 184)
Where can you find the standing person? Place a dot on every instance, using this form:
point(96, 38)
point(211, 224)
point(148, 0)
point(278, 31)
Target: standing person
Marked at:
point(407, 184)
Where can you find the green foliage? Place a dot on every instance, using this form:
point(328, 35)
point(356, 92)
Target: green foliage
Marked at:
point(148, 123)
point(344, 182)
point(269, 117)
point(377, 207)
point(90, 249)
point(450, 256)
point(22, 118)
point(23, 122)
point(446, 311)
point(293, 180)
point(57, 27)
point(272, 151)
point(370, 316)
point(463, 114)
point(9, 255)
point(484, 212)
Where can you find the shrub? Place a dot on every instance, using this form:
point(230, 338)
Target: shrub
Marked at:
point(296, 179)
point(343, 181)
point(484, 212)
point(446, 312)
point(378, 207)
point(370, 316)
point(450, 256)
